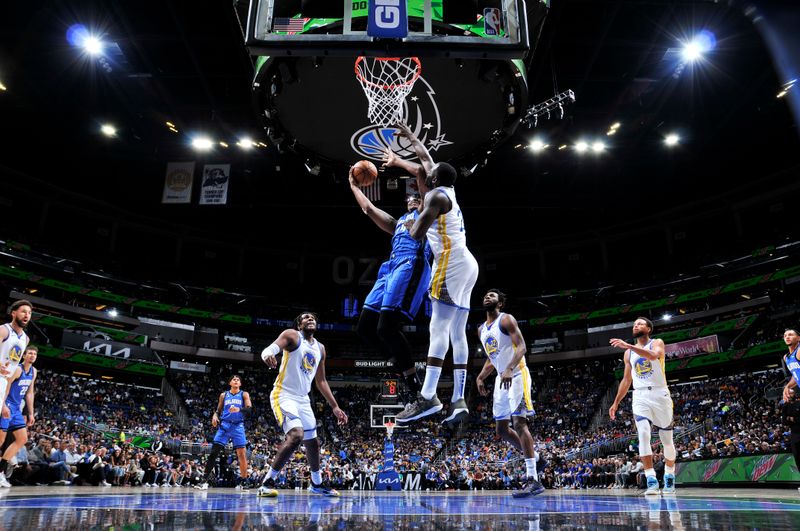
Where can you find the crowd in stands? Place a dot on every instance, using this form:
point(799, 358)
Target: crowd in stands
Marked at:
point(85, 428)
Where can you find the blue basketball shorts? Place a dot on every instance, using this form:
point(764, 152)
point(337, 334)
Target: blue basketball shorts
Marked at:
point(229, 431)
point(402, 285)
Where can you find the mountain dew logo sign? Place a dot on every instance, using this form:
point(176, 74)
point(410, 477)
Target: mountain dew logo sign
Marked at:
point(777, 468)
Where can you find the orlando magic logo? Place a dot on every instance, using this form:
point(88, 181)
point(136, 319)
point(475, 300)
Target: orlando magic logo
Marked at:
point(309, 361)
point(420, 112)
point(643, 368)
point(491, 347)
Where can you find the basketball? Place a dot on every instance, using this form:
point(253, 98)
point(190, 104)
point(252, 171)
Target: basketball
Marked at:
point(365, 173)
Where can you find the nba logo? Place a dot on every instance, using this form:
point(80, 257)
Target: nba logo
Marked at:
point(492, 21)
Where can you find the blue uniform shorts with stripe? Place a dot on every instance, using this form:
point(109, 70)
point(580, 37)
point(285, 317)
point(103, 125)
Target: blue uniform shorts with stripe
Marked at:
point(231, 431)
point(13, 423)
point(401, 286)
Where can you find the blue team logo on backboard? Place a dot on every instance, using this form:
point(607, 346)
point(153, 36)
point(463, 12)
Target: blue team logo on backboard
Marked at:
point(309, 362)
point(421, 112)
point(643, 368)
point(490, 345)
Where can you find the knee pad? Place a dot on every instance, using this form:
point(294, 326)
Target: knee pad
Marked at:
point(643, 429)
point(669, 445)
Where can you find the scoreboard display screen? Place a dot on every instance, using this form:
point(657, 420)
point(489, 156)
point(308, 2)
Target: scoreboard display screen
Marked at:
point(389, 388)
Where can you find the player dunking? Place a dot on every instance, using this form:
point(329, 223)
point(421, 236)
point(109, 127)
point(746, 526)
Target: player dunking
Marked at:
point(455, 271)
point(303, 361)
point(13, 341)
point(233, 407)
point(399, 290)
point(505, 348)
point(652, 404)
point(19, 393)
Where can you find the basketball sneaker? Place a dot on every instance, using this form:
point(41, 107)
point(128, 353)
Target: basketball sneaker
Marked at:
point(3, 481)
point(652, 486)
point(669, 484)
point(202, 486)
point(421, 407)
point(458, 412)
point(531, 487)
point(267, 489)
point(323, 489)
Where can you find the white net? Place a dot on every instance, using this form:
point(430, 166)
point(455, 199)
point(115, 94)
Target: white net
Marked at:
point(386, 82)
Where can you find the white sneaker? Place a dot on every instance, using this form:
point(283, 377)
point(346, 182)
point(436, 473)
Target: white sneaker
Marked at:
point(3, 481)
point(202, 486)
point(105, 483)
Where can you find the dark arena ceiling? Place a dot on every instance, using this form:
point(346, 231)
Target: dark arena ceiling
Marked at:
point(547, 219)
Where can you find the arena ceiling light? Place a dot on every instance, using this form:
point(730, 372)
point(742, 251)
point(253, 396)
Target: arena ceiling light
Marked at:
point(108, 130)
point(202, 143)
point(3, 87)
point(113, 313)
point(598, 146)
point(581, 146)
point(246, 143)
point(672, 140)
point(702, 43)
point(537, 145)
point(666, 317)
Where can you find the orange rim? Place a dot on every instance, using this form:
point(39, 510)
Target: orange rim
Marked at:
point(411, 81)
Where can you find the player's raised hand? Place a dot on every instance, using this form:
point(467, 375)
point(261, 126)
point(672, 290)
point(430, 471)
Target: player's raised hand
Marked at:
point(619, 343)
point(340, 415)
point(389, 158)
point(404, 130)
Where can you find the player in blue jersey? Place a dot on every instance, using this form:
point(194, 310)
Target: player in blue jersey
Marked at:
point(233, 408)
point(19, 393)
point(400, 288)
point(792, 340)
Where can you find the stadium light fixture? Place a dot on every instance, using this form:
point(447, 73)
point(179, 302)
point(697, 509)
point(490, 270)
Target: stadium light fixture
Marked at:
point(598, 146)
point(581, 146)
point(245, 143)
point(202, 143)
point(3, 87)
point(538, 145)
point(703, 42)
point(113, 313)
point(672, 140)
point(666, 317)
point(108, 130)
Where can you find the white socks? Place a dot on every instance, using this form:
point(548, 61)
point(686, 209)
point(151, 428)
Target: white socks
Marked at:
point(432, 375)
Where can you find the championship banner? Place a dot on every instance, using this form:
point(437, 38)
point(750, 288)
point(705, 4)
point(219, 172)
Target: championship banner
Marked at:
point(692, 347)
point(178, 182)
point(774, 468)
point(214, 189)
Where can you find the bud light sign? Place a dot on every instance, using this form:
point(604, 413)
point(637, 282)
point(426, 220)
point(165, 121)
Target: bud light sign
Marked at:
point(388, 19)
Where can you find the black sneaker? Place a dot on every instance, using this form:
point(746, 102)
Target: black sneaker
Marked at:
point(420, 408)
point(531, 487)
point(458, 412)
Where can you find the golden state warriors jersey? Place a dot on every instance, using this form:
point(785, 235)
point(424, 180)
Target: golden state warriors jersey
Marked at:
point(12, 349)
point(647, 373)
point(298, 368)
point(498, 346)
point(447, 232)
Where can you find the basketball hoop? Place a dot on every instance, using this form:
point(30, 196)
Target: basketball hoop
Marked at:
point(389, 428)
point(386, 82)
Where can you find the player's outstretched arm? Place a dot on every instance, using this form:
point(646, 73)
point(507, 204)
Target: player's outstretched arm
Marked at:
point(382, 219)
point(624, 385)
point(419, 148)
point(655, 352)
point(322, 384)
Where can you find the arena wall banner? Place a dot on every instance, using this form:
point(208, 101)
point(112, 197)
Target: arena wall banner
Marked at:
point(191, 367)
point(693, 347)
point(107, 347)
point(178, 182)
point(214, 188)
point(775, 468)
point(409, 481)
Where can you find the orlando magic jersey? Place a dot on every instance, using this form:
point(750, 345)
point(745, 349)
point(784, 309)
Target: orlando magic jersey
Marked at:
point(498, 346)
point(794, 365)
point(447, 232)
point(19, 387)
point(234, 400)
point(647, 373)
point(12, 349)
point(298, 368)
point(402, 242)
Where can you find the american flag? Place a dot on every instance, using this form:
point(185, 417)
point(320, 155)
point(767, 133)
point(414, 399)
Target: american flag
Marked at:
point(289, 25)
point(373, 191)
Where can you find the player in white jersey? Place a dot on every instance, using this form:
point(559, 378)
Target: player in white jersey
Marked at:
point(13, 341)
point(504, 346)
point(455, 271)
point(652, 404)
point(303, 362)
